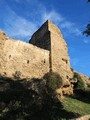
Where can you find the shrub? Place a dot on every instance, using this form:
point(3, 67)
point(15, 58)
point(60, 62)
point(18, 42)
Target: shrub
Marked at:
point(80, 82)
point(53, 80)
point(28, 100)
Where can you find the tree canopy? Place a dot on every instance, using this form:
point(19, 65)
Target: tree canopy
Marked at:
point(87, 31)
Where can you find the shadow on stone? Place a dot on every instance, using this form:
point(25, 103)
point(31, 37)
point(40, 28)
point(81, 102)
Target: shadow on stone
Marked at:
point(29, 100)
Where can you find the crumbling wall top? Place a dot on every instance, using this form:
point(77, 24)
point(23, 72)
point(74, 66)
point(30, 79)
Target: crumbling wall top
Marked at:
point(41, 38)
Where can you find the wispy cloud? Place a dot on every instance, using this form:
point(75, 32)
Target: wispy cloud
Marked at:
point(74, 61)
point(20, 27)
point(17, 26)
point(86, 41)
point(62, 22)
point(53, 16)
point(71, 27)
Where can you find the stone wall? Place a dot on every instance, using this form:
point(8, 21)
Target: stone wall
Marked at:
point(26, 58)
point(47, 52)
point(41, 38)
point(59, 54)
point(52, 40)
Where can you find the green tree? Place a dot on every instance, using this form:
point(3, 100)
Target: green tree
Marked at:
point(87, 31)
point(53, 81)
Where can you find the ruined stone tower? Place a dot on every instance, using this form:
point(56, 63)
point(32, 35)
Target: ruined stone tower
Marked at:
point(46, 52)
point(49, 37)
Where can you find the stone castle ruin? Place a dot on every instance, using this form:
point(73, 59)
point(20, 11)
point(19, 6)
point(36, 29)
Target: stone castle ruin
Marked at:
point(49, 38)
point(46, 51)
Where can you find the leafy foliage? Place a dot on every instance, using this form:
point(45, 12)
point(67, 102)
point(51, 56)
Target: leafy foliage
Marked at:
point(27, 100)
point(80, 83)
point(53, 81)
point(87, 31)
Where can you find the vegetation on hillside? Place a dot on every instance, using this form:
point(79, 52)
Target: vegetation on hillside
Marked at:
point(36, 99)
point(76, 106)
point(80, 82)
point(53, 81)
point(28, 99)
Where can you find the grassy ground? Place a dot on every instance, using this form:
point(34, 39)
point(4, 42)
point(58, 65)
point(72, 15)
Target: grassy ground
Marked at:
point(76, 106)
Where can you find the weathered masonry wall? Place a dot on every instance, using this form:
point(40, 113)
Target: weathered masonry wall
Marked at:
point(33, 61)
point(59, 57)
point(52, 40)
point(41, 38)
point(48, 51)
point(59, 54)
point(26, 58)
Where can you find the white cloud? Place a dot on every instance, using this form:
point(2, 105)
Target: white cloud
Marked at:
point(67, 24)
point(77, 31)
point(17, 26)
point(86, 41)
point(71, 27)
point(64, 24)
point(20, 27)
point(53, 16)
point(74, 61)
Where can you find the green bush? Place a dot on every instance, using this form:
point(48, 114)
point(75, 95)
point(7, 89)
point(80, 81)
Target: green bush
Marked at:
point(53, 80)
point(80, 82)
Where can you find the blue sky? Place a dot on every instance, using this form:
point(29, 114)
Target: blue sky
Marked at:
point(21, 18)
